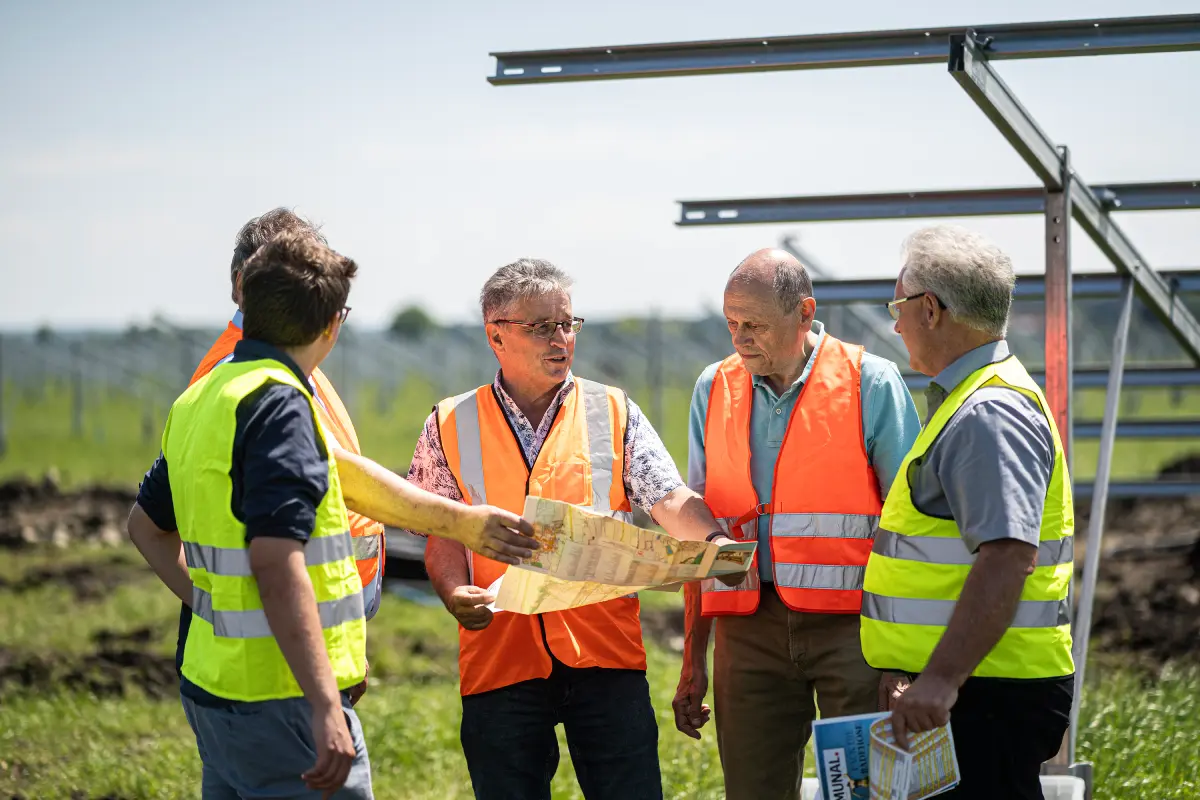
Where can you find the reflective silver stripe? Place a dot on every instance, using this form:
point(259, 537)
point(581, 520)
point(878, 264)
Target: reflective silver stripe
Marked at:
point(234, 562)
point(952, 550)
point(254, 625)
point(907, 611)
point(366, 546)
point(819, 576)
point(470, 447)
point(600, 443)
point(834, 526)
point(329, 549)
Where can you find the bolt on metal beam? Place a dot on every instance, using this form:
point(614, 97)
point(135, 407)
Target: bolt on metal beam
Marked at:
point(1065, 38)
point(1176, 195)
point(970, 67)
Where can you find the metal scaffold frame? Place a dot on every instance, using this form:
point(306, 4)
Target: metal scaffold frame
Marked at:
point(969, 52)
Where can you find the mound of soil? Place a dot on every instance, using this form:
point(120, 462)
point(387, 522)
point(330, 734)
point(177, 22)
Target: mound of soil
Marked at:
point(1148, 589)
point(40, 513)
point(121, 660)
point(664, 626)
point(86, 581)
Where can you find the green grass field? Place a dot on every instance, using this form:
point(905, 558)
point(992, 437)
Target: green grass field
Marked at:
point(120, 435)
point(1140, 731)
point(57, 738)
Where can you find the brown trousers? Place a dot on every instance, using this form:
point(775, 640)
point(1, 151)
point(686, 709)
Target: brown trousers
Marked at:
point(766, 667)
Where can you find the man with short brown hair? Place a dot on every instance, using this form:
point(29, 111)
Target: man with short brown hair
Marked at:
point(242, 517)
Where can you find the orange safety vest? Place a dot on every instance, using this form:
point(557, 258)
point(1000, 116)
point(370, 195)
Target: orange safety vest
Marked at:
point(581, 462)
point(367, 535)
point(825, 500)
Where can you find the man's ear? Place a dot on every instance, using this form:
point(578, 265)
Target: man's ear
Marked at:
point(808, 309)
point(494, 338)
point(933, 310)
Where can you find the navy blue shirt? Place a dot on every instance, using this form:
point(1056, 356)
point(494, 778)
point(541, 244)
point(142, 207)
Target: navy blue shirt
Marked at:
point(280, 473)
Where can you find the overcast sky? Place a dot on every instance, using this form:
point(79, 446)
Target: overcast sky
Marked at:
point(135, 138)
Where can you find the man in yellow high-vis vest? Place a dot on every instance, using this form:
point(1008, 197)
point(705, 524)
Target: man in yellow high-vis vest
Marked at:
point(965, 592)
point(248, 527)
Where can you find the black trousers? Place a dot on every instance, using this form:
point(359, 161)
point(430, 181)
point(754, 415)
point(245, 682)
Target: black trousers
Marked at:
point(508, 736)
point(1004, 730)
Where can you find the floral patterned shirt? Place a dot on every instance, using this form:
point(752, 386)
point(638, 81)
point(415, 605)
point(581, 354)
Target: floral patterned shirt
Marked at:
point(650, 472)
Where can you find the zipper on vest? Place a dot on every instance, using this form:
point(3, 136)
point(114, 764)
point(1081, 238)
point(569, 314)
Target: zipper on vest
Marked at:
point(528, 478)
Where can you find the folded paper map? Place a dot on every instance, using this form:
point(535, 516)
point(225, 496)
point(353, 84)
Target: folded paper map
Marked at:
point(588, 558)
point(929, 766)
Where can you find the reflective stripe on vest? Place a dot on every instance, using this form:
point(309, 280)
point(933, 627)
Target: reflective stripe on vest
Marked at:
point(253, 624)
point(910, 611)
point(919, 564)
point(936, 550)
point(230, 651)
point(235, 561)
point(581, 462)
point(825, 498)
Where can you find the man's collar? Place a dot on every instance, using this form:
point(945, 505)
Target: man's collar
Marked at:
point(256, 350)
point(958, 370)
point(237, 319)
point(819, 329)
point(567, 385)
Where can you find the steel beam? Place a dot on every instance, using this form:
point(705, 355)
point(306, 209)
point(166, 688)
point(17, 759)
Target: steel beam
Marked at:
point(928, 204)
point(1029, 287)
point(840, 50)
point(1142, 378)
point(1082, 627)
point(969, 66)
point(1142, 429)
point(1058, 338)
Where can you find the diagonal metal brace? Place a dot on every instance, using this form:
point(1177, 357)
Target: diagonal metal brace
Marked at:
point(970, 67)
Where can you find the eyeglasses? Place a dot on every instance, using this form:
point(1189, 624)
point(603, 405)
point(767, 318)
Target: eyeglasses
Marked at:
point(345, 312)
point(545, 330)
point(893, 306)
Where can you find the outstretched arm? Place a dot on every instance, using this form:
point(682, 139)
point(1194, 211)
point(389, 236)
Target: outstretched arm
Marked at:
point(379, 493)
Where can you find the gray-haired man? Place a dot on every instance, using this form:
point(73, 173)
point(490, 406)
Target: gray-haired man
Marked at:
point(967, 583)
point(538, 430)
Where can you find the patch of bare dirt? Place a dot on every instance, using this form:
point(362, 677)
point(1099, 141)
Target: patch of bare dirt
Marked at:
point(39, 512)
point(120, 661)
point(88, 581)
point(663, 626)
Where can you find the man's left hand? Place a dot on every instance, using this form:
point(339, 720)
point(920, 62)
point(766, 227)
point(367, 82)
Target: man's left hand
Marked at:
point(733, 578)
point(359, 689)
point(923, 706)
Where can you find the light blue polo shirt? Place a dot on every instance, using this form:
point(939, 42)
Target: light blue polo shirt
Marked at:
point(890, 426)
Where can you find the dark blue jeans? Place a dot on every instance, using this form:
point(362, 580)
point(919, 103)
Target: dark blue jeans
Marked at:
point(511, 747)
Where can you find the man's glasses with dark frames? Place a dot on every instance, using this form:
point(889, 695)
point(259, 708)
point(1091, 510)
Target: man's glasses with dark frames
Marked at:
point(544, 330)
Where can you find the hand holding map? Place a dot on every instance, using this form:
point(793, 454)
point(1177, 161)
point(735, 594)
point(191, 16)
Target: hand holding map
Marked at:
point(588, 558)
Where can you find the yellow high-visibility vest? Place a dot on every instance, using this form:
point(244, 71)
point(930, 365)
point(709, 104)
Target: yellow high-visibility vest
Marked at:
point(230, 650)
point(919, 563)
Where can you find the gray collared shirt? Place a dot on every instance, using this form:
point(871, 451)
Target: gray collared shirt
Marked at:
point(990, 466)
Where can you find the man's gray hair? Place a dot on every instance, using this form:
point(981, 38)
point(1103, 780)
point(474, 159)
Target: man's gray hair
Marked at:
point(792, 285)
point(520, 280)
point(790, 281)
point(971, 276)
